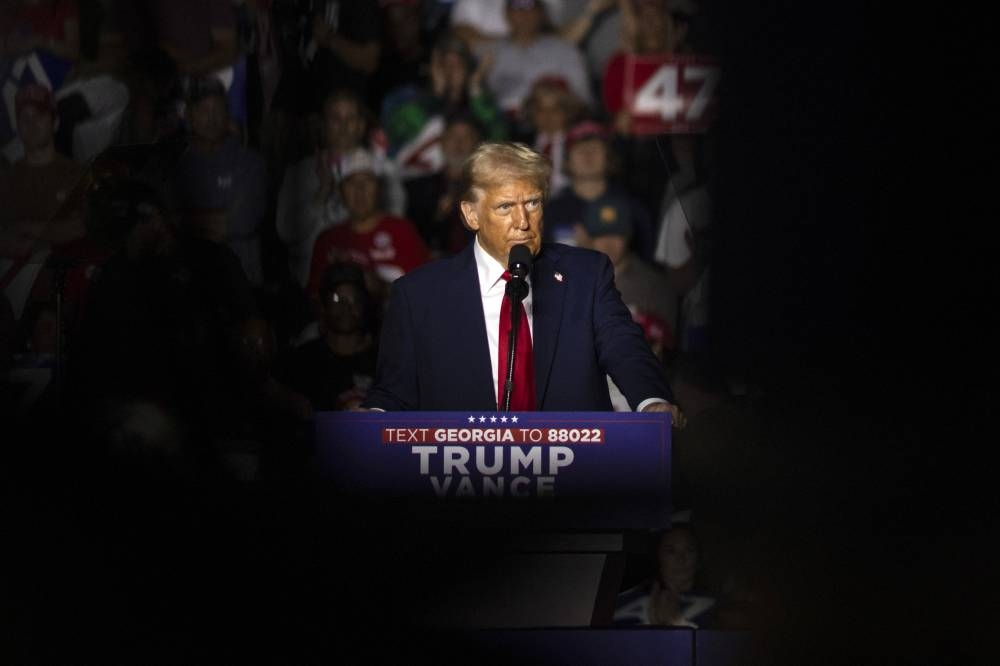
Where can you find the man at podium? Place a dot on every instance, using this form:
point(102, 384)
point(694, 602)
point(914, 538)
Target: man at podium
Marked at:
point(450, 325)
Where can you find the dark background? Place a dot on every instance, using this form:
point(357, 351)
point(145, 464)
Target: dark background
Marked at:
point(849, 286)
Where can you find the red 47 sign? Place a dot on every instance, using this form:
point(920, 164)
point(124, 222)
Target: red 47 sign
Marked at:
point(665, 94)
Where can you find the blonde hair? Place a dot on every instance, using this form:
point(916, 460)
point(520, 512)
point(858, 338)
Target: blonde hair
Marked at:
point(493, 163)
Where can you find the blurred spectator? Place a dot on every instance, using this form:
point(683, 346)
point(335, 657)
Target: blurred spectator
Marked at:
point(549, 111)
point(652, 31)
point(414, 118)
point(335, 370)
point(480, 22)
point(405, 56)
point(684, 247)
point(222, 186)
point(309, 200)
point(590, 165)
point(199, 35)
point(607, 227)
point(529, 54)
point(42, 194)
point(385, 245)
point(39, 44)
point(432, 200)
point(457, 85)
point(168, 44)
point(342, 47)
point(672, 598)
point(155, 331)
point(256, 412)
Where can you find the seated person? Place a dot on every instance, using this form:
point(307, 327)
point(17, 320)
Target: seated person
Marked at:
point(335, 370)
point(671, 597)
point(590, 165)
point(309, 200)
point(386, 245)
point(222, 185)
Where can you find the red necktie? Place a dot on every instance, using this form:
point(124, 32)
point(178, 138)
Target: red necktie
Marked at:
point(522, 398)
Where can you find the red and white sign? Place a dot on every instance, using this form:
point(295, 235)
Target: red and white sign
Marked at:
point(665, 94)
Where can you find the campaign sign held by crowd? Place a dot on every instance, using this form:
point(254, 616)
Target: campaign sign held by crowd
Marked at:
point(663, 94)
point(612, 468)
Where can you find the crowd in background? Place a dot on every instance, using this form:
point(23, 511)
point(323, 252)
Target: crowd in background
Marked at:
point(203, 204)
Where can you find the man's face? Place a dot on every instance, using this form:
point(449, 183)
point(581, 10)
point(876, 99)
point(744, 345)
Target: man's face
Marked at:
point(36, 127)
point(209, 118)
point(587, 159)
point(507, 215)
point(360, 191)
point(343, 126)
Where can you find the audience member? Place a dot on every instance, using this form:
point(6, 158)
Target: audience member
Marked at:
point(457, 85)
point(222, 186)
point(385, 245)
point(342, 48)
point(684, 247)
point(405, 56)
point(155, 330)
point(257, 414)
point(42, 197)
point(39, 44)
point(653, 31)
point(590, 165)
point(309, 200)
point(672, 598)
point(414, 118)
point(433, 199)
point(479, 22)
point(335, 370)
point(529, 54)
point(607, 227)
point(549, 111)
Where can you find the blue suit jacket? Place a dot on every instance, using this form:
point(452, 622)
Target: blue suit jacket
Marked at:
point(434, 353)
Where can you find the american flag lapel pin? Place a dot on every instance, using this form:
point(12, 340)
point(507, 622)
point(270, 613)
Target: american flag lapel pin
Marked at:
point(558, 276)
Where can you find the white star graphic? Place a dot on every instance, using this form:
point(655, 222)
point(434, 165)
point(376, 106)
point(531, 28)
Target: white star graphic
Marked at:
point(472, 419)
point(493, 419)
point(504, 419)
point(482, 419)
point(513, 419)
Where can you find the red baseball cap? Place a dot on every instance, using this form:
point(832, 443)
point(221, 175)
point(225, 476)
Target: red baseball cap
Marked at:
point(587, 129)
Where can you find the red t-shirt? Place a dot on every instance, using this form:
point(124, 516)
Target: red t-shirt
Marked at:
point(391, 249)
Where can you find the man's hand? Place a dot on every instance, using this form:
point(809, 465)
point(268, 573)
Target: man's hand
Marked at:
point(677, 417)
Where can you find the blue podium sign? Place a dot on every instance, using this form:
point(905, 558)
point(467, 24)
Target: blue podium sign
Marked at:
point(612, 468)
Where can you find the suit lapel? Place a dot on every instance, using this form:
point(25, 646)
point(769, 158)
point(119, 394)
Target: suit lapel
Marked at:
point(547, 305)
point(466, 297)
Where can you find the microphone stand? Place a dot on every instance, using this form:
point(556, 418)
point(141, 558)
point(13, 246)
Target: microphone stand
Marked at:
point(516, 290)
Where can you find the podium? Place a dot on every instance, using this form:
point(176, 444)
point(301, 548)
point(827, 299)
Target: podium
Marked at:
point(548, 470)
point(538, 508)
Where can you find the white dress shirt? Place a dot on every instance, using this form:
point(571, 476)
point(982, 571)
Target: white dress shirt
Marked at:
point(492, 287)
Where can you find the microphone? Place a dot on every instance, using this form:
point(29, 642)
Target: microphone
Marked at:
point(519, 267)
point(519, 263)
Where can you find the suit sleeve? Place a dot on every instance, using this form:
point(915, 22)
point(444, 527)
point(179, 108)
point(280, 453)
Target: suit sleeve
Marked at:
point(622, 350)
point(396, 387)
